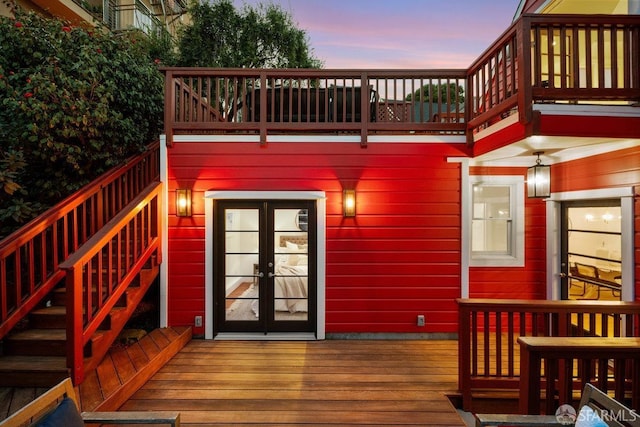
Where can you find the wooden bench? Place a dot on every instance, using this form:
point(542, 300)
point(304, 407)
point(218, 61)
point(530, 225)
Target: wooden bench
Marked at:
point(45, 404)
point(592, 355)
point(612, 412)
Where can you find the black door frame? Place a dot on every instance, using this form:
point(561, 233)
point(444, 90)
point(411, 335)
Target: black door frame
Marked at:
point(266, 323)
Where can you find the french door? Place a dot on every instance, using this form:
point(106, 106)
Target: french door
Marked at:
point(591, 249)
point(264, 266)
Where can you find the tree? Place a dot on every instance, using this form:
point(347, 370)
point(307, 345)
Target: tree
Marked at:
point(73, 104)
point(223, 37)
point(439, 93)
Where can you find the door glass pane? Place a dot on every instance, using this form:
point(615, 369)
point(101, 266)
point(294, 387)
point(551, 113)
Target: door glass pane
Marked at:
point(291, 265)
point(594, 245)
point(242, 246)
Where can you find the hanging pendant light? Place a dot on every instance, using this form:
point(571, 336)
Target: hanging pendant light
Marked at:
point(539, 179)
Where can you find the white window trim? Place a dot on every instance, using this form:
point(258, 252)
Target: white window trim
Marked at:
point(516, 259)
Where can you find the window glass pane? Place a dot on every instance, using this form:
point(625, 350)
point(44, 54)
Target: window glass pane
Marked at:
point(242, 252)
point(291, 273)
point(595, 237)
point(491, 236)
point(491, 219)
point(491, 202)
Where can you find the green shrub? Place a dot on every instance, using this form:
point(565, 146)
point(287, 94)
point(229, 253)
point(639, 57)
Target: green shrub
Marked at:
point(73, 103)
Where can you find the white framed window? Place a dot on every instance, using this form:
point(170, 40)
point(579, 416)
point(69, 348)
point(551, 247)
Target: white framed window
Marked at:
point(497, 221)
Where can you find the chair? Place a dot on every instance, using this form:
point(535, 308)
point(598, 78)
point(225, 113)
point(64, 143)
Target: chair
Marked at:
point(595, 408)
point(58, 406)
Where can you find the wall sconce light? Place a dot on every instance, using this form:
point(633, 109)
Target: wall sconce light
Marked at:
point(183, 202)
point(349, 203)
point(539, 179)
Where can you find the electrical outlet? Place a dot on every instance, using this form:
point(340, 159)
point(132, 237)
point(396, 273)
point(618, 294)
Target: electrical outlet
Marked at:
point(420, 319)
point(198, 321)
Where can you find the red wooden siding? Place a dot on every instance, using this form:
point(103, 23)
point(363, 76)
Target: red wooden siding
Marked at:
point(399, 257)
point(615, 169)
point(526, 282)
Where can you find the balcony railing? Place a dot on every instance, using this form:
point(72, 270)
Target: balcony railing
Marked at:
point(540, 58)
point(129, 14)
point(556, 58)
point(278, 101)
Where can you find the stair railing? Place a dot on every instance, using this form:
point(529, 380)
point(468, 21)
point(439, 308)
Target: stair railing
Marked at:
point(100, 272)
point(30, 257)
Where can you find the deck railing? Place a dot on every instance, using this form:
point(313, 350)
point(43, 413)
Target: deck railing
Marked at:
point(539, 59)
point(556, 59)
point(330, 101)
point(99, 274)
point(30, 257)
point(488, 331)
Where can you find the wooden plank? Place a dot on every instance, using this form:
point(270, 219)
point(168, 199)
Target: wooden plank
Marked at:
point(108, 377)
point(159, 338)
point(169, 333)
point(137, 356)
point(21, 397)
point(149, 346)
point(123, 364)
point(5, 401)
point(90, 393)
point(330, 382)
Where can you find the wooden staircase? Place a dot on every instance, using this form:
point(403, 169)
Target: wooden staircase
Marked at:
point(35, 354)
point(71, 278)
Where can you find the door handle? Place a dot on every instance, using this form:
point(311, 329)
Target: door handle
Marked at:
point(270, 275)
point(261, 274)
point(563, 275)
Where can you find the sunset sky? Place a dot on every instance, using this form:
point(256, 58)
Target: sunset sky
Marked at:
point(398, 33)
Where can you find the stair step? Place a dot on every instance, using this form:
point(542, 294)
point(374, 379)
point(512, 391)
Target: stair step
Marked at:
point(36, 342)
point(53, 317)
point(32, 371)
point(59, 296)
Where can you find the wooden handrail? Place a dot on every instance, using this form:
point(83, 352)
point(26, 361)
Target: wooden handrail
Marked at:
point(30, 257)
point(100, 272)
point(488, 330)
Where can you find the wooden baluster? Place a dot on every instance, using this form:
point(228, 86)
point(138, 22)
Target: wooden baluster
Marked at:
point(498, 334)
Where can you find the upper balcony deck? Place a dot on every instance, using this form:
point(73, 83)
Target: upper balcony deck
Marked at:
point(561, 59)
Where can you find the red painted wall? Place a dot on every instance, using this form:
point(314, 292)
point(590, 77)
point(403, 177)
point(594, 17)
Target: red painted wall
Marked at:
point(398, 258)
point(526, 282)
point(616, 169)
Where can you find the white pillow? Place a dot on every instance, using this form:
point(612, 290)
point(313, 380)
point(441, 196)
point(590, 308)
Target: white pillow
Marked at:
point(587, 417)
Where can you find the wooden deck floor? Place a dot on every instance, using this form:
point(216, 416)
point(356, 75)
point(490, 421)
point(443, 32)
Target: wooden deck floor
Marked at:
point(332, 382)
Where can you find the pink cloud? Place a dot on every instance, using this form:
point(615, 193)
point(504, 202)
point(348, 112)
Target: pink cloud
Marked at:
point(399, 34)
